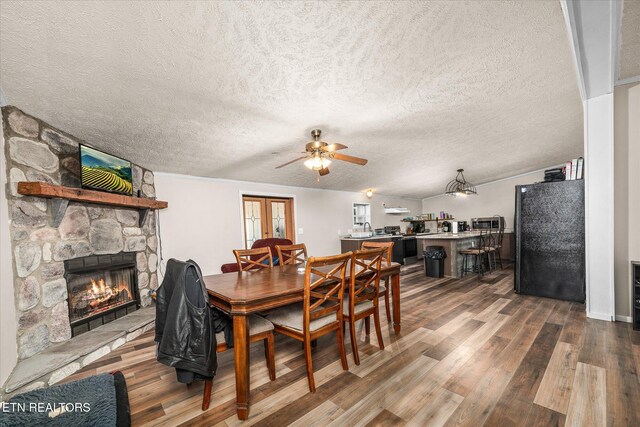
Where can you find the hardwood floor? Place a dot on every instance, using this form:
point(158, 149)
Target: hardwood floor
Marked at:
point(471, 352)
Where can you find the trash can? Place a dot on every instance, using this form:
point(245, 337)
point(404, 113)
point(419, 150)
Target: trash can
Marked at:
point(434, 261)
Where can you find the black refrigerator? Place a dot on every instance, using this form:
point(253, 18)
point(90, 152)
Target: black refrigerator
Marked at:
point(550, 245)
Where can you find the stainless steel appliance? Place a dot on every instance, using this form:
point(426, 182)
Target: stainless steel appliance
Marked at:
point(495, 222)
point(392, 229)
point(410, 249)
point(550, 245)
point(399, 245)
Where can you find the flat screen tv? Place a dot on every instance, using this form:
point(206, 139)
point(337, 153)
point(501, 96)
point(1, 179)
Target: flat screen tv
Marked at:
point(104, 172)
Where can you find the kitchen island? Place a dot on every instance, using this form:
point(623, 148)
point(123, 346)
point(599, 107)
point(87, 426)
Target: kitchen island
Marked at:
point(455, 242)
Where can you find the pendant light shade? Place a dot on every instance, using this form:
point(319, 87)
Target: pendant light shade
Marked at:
point(460, 186)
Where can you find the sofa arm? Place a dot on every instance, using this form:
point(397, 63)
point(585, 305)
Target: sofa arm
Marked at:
point(232, 267)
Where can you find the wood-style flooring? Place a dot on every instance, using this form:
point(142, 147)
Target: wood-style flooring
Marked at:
point(471, 352)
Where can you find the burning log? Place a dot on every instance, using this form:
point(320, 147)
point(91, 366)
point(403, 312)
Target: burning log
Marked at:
point(98, 295)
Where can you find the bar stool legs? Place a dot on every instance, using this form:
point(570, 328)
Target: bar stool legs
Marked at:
point(478, 264)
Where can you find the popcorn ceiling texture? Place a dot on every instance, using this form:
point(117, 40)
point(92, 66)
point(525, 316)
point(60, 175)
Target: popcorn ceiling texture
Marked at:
point(213, 88)
point(630, 40)
point(37, 151)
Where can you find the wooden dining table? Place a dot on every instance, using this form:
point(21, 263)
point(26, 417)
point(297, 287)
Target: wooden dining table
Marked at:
point(243, 293)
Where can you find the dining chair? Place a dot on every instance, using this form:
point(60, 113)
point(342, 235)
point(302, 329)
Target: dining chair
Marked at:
point(291, 254)
point(253, 259)
point(321, 310)
point(362, 299)
point(384, 289)
point(260, 329)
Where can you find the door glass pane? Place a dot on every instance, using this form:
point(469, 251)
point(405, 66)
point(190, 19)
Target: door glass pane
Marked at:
point(278, 220)
point(252, 222)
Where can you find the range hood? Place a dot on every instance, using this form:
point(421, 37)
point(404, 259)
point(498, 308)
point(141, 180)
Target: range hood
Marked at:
point(396, 211)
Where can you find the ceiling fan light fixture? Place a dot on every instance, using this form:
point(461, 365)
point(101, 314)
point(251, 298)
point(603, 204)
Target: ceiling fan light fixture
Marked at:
point(459, 186)
point(317, 162)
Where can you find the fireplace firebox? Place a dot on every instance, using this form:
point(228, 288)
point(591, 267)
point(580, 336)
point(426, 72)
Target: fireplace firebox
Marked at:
point(101, 288)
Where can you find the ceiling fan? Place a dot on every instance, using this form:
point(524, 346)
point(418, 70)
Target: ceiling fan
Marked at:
point(319, 154)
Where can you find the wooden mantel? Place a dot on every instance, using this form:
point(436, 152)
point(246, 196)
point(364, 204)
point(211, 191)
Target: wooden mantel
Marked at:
point(60, 197)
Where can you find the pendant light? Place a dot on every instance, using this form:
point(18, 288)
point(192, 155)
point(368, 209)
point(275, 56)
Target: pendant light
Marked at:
point(459, 186)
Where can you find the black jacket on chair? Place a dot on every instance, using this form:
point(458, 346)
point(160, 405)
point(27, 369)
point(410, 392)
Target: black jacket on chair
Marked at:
point(184, 324)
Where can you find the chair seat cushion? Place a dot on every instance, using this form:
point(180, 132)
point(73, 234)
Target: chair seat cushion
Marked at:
point(290, 316)
point(257, 325)
point(359, 308)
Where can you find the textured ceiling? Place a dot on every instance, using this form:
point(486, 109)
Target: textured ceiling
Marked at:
point(630, 40)
point(212, 89)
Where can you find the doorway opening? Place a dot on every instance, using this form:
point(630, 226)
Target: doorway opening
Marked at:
point(267, 217)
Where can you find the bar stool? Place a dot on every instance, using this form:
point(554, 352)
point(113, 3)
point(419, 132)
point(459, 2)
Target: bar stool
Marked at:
point(477, 254)
point(499, 239)
point(490, 244)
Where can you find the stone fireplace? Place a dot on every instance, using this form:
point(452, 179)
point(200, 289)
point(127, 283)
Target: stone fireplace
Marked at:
point(82, 276)
point(100, 289)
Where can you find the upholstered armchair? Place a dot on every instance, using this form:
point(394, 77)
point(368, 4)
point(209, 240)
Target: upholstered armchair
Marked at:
point(232, 267)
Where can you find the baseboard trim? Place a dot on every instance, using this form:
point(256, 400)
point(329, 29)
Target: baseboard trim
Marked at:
point(599, 316)
point(626, 319)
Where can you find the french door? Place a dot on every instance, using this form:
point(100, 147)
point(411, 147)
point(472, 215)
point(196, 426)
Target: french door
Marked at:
point(267, 217)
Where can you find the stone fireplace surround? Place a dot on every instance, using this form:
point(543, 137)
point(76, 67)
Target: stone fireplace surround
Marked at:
point(36, 151)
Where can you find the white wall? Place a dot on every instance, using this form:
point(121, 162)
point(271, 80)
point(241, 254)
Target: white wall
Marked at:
point(634, 174)
point(204, 218)
point(599, 202)
point(494, 198)
point(626, 193)
point(8, 347)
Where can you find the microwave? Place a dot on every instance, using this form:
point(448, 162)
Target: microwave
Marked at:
point(488, 223)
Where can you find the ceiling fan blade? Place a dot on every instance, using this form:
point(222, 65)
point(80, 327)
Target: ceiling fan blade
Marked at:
point(292, 161)
point(324, 171)
point(333, 147)
point(350, 159)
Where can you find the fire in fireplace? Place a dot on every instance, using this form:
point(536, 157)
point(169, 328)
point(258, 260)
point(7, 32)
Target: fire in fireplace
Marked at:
point(101, 288)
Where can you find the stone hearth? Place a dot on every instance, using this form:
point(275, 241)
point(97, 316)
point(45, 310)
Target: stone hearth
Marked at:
point(36, 151)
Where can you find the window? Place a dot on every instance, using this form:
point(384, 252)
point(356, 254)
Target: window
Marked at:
point(361, 214)
point(266, 217)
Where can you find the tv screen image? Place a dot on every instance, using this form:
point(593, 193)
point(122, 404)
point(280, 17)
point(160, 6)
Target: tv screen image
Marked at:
point(102, 171)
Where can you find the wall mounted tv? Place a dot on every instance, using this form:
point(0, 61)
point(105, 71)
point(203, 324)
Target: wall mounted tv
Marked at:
point(104, 172)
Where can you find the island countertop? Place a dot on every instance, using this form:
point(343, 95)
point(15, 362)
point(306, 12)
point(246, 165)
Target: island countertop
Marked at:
point(374, 237)
point(451, 236)
point(458, 236)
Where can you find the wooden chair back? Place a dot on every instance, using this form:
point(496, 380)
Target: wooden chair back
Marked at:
point(291, 254)
point(365, 275)
point(253, 259)
point(324, 284)
point(374, 245)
